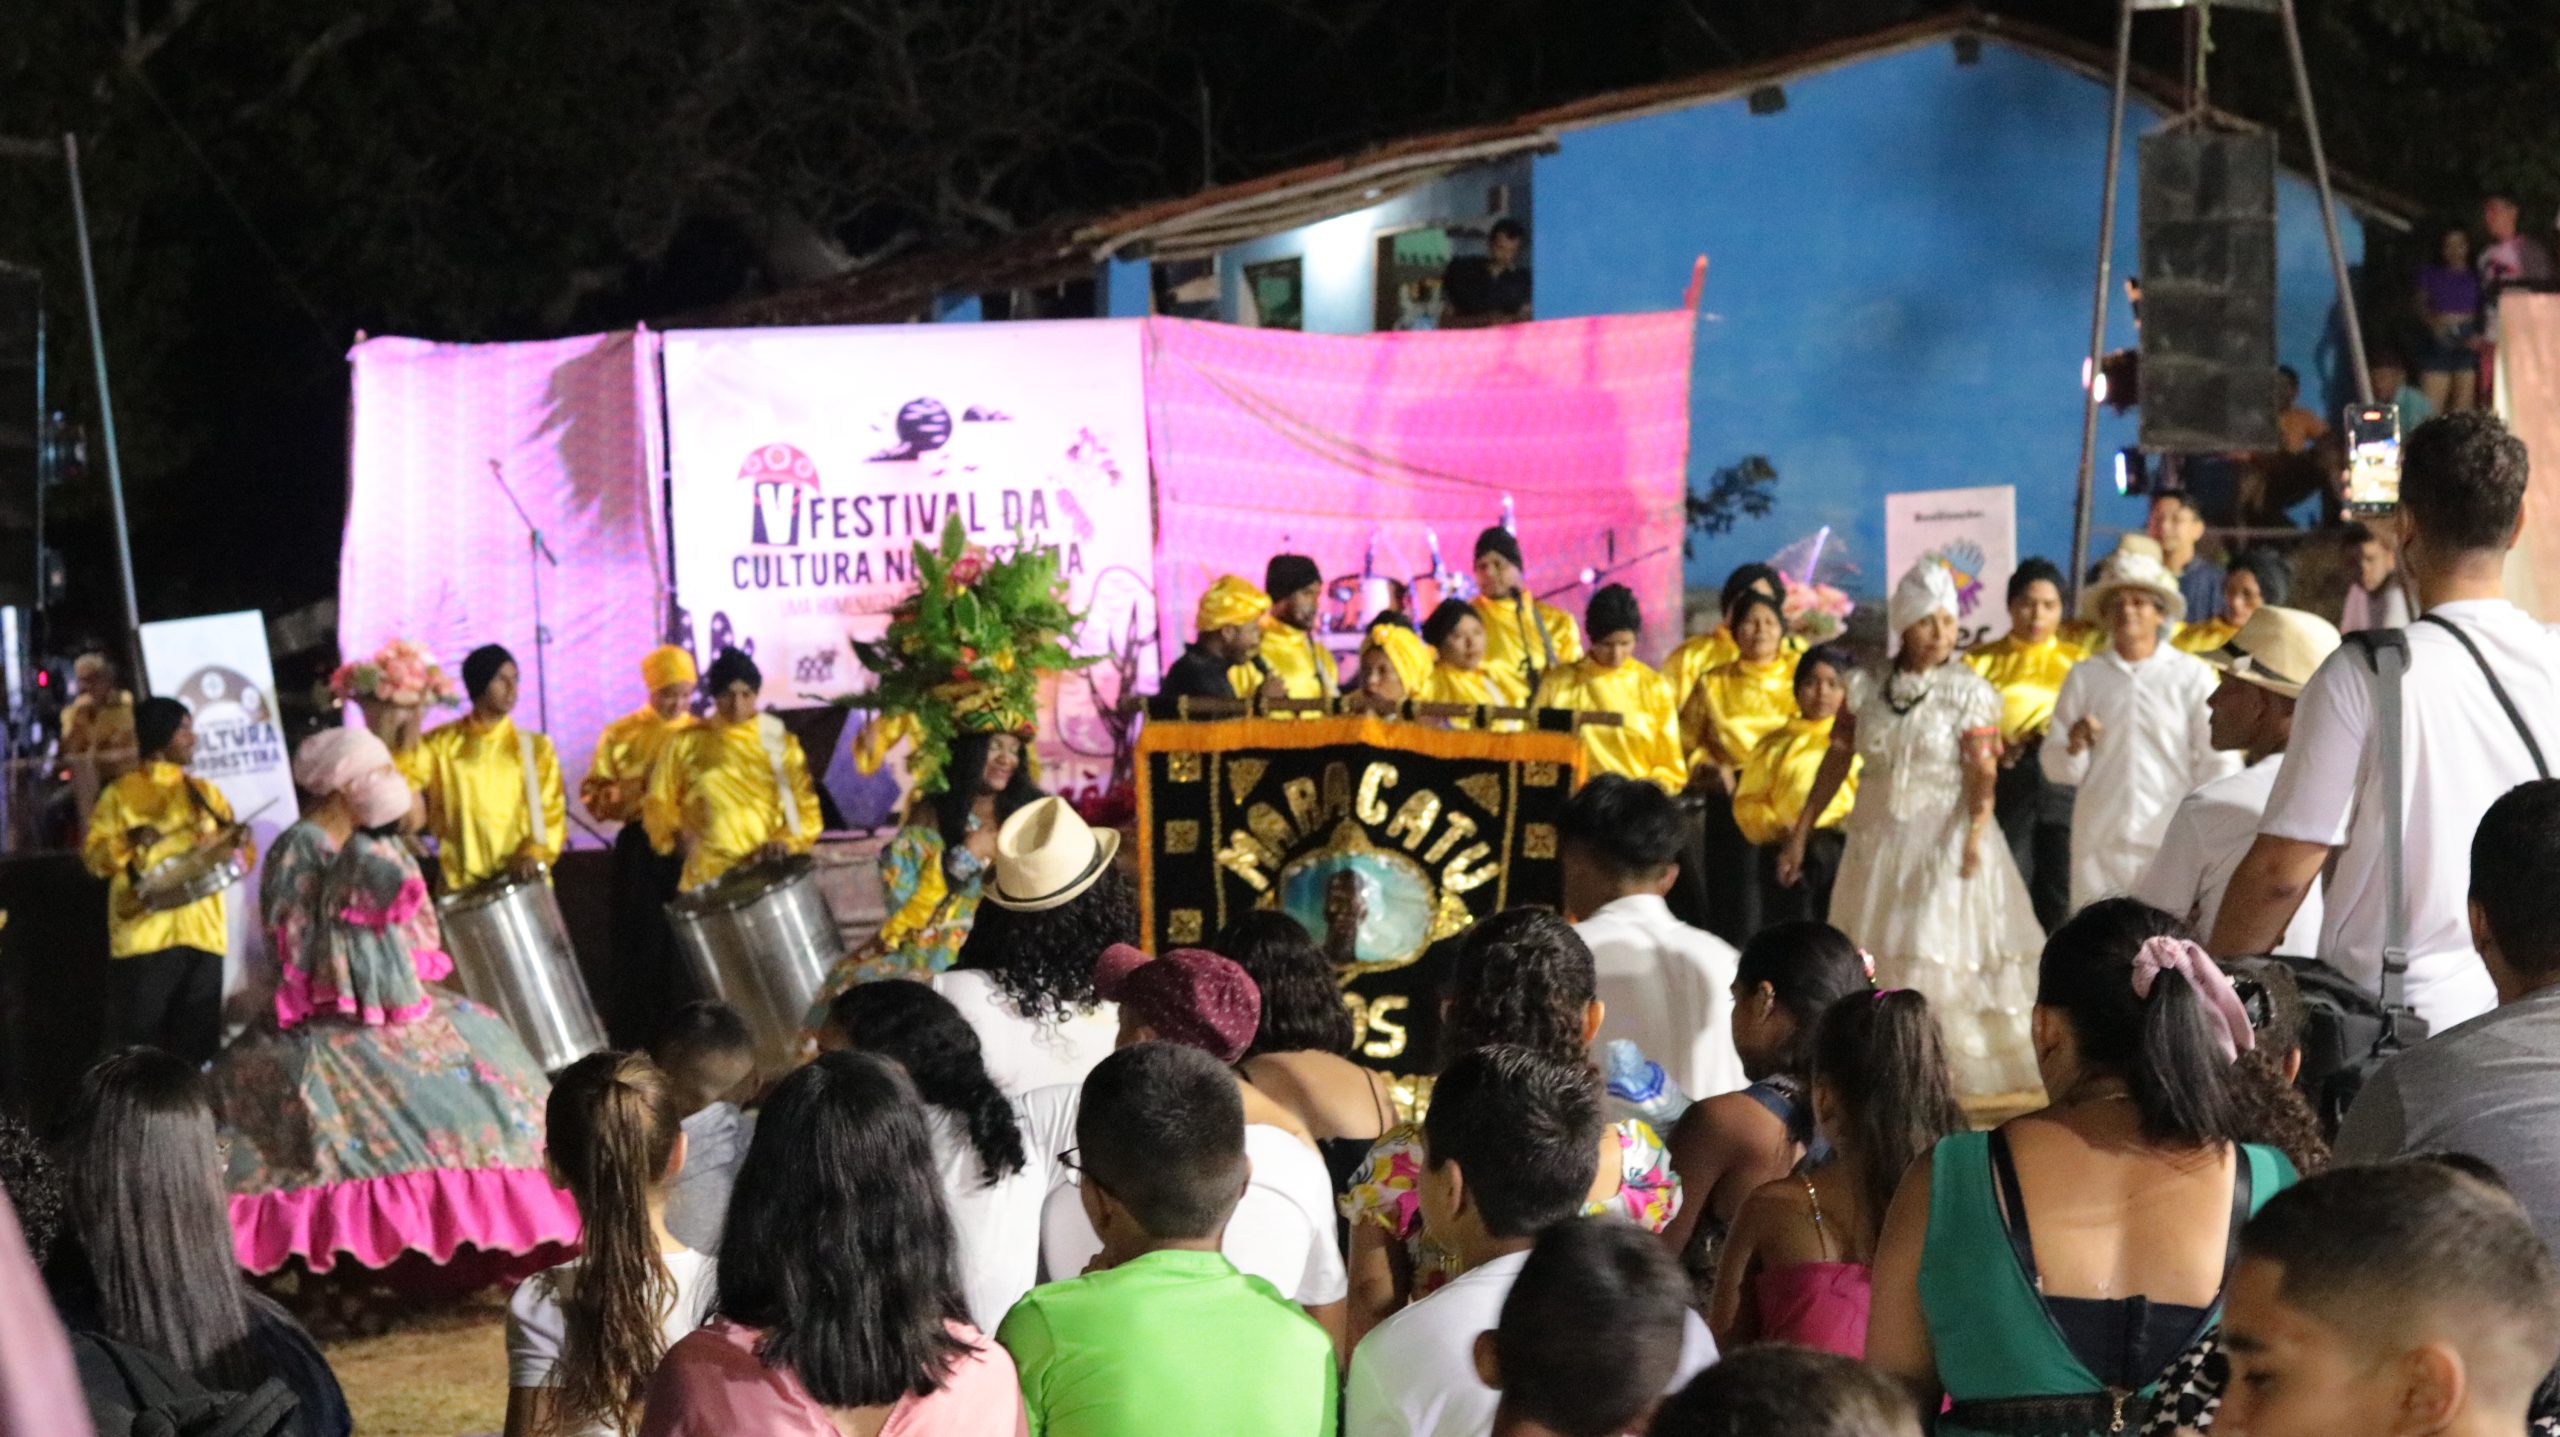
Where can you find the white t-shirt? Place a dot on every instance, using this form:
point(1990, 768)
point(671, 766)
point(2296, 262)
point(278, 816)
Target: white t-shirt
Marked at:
point(1667, 988)
point(997, 1226)
point(536, 1328)
point(715, 1142)
point(2154, 748)
point(2459, 754)
point(1414, 1375)
point(1282, 1231)
point(2208, 836)
point(1022, 1054)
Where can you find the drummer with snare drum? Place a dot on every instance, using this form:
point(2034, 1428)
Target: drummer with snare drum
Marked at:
point(735, 789)
point(154, 828)
point(493, 793)
point(648, 981)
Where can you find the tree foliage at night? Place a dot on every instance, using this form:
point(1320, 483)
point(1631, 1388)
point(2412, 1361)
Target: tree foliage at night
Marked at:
point(269, 177)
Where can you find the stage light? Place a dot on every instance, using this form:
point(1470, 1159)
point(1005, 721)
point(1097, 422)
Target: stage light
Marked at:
point(2133, 472)
point(2118, 381)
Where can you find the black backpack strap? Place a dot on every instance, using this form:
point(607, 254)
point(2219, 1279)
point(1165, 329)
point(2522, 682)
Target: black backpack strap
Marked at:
point(2514, 716)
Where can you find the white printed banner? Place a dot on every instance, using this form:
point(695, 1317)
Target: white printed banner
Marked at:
point(218, 667)
point(1976, 532)
point(806, 464)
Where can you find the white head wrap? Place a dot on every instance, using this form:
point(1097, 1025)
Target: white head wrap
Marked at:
point(1928, 588)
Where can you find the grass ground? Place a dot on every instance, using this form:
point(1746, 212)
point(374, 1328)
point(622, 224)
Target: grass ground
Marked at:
point(439, 1373)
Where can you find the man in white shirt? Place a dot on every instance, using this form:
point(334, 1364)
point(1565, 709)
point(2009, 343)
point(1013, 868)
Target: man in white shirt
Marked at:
point(2263, 670)
point(2462, 485)
point(1664, 986)
point(1509, 1145)
point(2133, 729)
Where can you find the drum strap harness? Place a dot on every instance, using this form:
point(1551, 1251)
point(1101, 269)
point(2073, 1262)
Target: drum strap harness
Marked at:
point(532, 790)
point(776, 738)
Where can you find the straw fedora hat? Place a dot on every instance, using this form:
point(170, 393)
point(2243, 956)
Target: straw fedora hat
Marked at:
point(1047, 855)
point(2130, 568)
point(2277, 650)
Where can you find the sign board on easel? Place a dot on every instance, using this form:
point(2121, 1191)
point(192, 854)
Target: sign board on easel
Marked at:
point(1976, 532)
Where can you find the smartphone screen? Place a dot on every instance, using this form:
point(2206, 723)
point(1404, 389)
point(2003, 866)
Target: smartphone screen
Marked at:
point(2373, 458)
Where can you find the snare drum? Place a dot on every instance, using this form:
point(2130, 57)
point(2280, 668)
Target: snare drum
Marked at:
point(192, 877)
point(760, 937)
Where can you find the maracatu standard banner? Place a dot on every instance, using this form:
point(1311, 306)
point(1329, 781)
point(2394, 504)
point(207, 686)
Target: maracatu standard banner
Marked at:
point(1381, 838)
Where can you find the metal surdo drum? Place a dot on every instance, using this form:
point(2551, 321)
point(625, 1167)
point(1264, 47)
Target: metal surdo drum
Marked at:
point(760, 937)
point(512, 953)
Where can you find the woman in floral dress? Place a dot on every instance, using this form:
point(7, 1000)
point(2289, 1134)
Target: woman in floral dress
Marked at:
point(373, 1116)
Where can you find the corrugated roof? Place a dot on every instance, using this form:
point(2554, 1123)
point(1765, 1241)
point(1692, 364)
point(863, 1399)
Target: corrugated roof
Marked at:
point(1212, 219)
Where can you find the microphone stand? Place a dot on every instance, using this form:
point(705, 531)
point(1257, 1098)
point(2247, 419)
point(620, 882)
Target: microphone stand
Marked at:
point(539, 554)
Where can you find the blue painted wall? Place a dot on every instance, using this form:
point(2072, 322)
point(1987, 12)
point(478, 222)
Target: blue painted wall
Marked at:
point(1899, 296)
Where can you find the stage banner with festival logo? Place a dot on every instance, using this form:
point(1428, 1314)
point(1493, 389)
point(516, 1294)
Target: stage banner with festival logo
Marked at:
point(806, 464)
point(1382, 456)
point(1383, 837)
point(219, 668)
point(1976, 532)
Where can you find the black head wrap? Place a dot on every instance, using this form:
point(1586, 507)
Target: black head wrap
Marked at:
point(2275, 574)
point(1613, 611)
point(1444, 621)
point(481, 665)
point(155, 722)
point(1498, 540)
point(1746, 579)
point(1286, 574)
point(731, 667)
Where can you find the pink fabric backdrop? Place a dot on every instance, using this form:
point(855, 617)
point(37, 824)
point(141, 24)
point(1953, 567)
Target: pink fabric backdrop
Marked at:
point(2529, 399)
point(1264, 441)
point(433, 551)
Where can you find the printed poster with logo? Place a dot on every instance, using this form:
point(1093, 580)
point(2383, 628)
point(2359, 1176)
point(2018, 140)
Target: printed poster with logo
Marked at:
point(806, 464)
point(218, 667)
point(1976, 532)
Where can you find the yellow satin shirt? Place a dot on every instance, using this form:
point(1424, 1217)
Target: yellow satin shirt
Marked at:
point(1778, 778)
point(1737, 704)
point(1513, 644)
point(2029, 677)
point(713, 787)
point(1467, 686)
point(2205, 637)
point(1699, 654)
point(1647, 744)
point(156, 796)
point(1301, 660)
point(473, 779)
point(624, 752)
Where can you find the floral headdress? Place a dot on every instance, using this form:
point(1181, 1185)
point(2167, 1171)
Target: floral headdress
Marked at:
point(964, 653)
point(402, 673)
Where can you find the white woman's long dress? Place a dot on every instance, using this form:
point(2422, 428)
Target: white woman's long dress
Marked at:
point(1969, 945)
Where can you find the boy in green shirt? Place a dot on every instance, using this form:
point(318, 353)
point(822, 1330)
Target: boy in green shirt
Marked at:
point(1164, 1335)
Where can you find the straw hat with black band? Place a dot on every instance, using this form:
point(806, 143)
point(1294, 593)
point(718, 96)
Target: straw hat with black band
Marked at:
point(2277, 650)
point(1047, 856)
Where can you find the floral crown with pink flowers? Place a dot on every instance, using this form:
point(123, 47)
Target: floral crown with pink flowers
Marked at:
point(400, 672)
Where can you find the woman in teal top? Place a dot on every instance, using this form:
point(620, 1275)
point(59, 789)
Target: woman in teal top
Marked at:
point(2041, 1276)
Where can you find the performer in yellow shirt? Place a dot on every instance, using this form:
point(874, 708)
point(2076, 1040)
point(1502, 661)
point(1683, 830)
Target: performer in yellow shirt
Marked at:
point(1778, 778)
point(734, 789)
point(1700, 653)
point(1728, 712)
point(1612, 680)
point(1456, 633)
point(649, 980)
point(1289, 646)
point(1395, 664)
point(1524, 640)
point(2258, 577)
point(2027, 666)
point(494, 798)
point(97, 732)
point(164, 977)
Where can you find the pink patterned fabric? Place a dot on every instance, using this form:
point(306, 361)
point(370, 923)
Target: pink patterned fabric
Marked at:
point(404, 906)
point(434, 551)
point(375, 1220)
point(1267, 440)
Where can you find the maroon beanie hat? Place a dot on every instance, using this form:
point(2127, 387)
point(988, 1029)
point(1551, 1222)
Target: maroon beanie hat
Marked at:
point(1189, 996)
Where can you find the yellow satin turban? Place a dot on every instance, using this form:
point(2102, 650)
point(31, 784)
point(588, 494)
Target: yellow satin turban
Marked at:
point(1406, 653)
point(667, 664)
point(1232, 601)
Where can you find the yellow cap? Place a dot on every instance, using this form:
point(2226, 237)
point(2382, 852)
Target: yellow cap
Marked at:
point(1232, 601)
point(668, 664)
